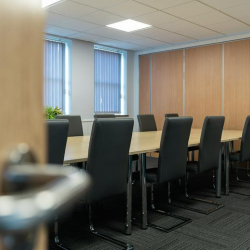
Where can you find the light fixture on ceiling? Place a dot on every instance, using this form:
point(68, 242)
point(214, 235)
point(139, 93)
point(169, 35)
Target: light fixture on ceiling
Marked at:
point(46, 3)
point(129, 25)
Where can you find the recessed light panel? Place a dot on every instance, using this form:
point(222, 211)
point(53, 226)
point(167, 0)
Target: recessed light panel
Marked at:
point(129, 25)
point(46, 3)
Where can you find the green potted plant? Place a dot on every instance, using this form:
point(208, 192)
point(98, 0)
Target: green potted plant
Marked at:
point(51, 113)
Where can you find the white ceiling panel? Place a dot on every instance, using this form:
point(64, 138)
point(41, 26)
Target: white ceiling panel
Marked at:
point(99, 4)
point(200, 33)
point(222, 4)
point(245, 19)
point(102, 18)
point(78, 25)
point(59, 31)
point(189, 9)
point(178, 26)
point(209, 18)
point(163, 4)
point(170, 37)
point(71, 9)
point(150, 32)
point(156, 18)
point(90, 37)
point(115, 34)
point(55, 19)
point(149, 42)
point(129, 9)
point(227, 26)
point(237, 31)
point(238, 11)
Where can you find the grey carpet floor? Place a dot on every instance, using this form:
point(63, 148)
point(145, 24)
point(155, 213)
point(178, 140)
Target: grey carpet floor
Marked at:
point(227, 228)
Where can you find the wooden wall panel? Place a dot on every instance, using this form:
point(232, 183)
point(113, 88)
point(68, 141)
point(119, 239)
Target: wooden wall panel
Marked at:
point(144, 81)
point(237, 83)
point(203, 86)
point(167, 85)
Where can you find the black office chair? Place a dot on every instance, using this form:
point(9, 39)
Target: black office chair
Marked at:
point(109, 167)
point(75, 124)
point(147, 122)
point(171, 115)
point(172, 162)
point(209, 159)
point(104, 115)
point(243, 155)
point(57, 132)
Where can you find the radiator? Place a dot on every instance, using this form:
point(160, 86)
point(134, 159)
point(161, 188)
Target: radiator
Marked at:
point(87, 126)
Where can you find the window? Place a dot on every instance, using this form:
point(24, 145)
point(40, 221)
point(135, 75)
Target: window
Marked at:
point(108, 81)
point(55, 75)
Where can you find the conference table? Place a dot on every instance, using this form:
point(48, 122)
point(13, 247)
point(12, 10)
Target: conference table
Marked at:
point(143, 143)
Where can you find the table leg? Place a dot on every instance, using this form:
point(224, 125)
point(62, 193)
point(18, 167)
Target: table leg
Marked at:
point(226, 162)
point(128, 229)
point(144, 190)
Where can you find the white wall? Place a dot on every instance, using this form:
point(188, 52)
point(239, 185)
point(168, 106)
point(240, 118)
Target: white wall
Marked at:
point(82, 80)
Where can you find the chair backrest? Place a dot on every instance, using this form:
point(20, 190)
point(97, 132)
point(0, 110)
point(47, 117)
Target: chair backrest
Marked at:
point(245, 142)
point(57, 140)
point(173, 149)
point(210, 143)
point(75, 124)
point(108, 157)
point(171, 115)
point(104, 116)
point(147, 122)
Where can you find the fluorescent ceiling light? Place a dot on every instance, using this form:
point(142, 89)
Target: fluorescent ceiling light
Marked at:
point(129, 25)
point(46, 3)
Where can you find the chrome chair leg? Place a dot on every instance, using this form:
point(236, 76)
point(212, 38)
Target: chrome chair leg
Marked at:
point(57, 240)
point(122, 244)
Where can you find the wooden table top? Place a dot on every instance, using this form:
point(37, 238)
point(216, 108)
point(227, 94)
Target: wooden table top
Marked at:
point(142, 142)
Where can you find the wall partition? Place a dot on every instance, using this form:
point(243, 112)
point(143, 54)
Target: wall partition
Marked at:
point(200, 81)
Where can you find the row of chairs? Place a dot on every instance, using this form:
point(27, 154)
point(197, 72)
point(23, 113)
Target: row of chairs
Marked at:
point(172, 163)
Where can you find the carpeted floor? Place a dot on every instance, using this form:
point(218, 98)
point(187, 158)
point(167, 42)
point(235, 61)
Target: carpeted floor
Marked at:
point(227, 228)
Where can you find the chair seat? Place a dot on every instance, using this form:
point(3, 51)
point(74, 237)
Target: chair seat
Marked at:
point(193, 148)
point(192, 166)
point(151, 175)
point(234, 156)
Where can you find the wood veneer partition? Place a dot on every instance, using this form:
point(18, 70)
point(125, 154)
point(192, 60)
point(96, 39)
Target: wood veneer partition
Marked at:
point(167, 85)
point(237, 83)
point(144, 81)
point(203, 83)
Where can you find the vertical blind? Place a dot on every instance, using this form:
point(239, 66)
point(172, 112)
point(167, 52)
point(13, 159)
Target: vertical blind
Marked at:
point(107, 82)
point(54, 74)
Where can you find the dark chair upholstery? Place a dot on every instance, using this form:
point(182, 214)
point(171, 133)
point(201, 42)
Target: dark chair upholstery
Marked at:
point(172, 160)
point(57, 140)
point(171, 115)
point(108, 162)
point(57, 134)
point(242, 156)
point(104, 116)
point(75, 124)
point(147, 122)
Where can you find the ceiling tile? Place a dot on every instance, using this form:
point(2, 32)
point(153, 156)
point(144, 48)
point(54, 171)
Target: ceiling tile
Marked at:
point(171, 37)
point(54, 19)
point(178, 26)
point(237, 31)
point(189, 9)
point(155, 18)
point(222, 4)
point(90, 37)
point(130, 9)
point(200, 33)
point(124, 45)
point(78, 25)
point(226, 26)
point(59, 31)
point(209, 18)
point(150, 32)
point(99, 4)
point(163, 4)
point(238, 11)
point(245, 19)
point(149, 42)
point(115, 34)
point(71, 9)
point(102, 18)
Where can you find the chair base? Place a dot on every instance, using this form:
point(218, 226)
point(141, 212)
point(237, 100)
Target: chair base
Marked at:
point(58, 244)
point(240, 193)
point(217, 206)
